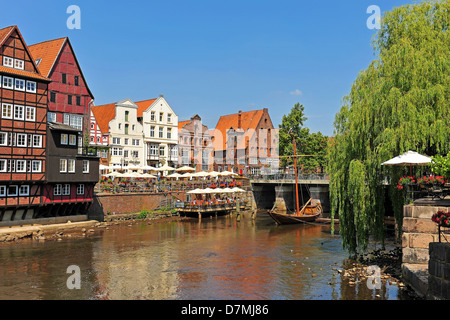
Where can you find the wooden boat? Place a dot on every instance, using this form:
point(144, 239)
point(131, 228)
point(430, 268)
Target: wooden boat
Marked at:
point(309, 213)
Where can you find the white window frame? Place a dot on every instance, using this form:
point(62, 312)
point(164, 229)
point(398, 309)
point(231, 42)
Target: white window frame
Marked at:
point(31, 86)
point(85, 166)
point(161, 132)
point(62, 165)
point(37, 141)
point(66, 190)
point(21, 166)
point(3, 164)
point(2, 191)
point(19, 113)
point(72, 140)
point(5, 138)
point(80, 189)
point(152, 115)
point(33, 165)
point(57, 190)
point(24, 190)
point(7, 111)
point(19, 64)
point(64, 138)
point(8, 62)
point(8, 82)
point(13, 194)
point(21, 139)
point(19, 84)
point(30, 114)
point(51, 117)
point(71, 165)
point(152, 131)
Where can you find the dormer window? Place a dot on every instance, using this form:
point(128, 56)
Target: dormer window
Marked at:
point(8, 62)
point(38, 62)
point(18, 64)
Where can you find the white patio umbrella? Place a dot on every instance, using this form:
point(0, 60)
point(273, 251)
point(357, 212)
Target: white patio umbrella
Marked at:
point(200, 174)
point(237, 190)
point(133, 167)
point(148, 168)
point(174, 175)
point(185, 168)
point(228, 173)
point(186, 175)
point(103, 167)
point(148, 175)
point(196, 191)
point(112, 174)
point(410, 158)
point(165, 168)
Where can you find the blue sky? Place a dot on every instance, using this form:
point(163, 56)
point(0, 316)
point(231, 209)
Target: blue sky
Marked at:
point(214, 57)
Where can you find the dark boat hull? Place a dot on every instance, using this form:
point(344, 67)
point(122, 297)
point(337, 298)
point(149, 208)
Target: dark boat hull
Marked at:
point(283, 218)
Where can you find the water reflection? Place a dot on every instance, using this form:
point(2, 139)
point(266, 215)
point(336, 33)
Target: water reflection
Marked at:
point(217, 258)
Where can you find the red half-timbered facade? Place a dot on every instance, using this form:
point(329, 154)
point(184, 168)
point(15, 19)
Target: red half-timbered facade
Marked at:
point(23, 125)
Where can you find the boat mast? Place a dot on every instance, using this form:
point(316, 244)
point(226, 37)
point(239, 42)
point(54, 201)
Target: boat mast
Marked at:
point(296, 185)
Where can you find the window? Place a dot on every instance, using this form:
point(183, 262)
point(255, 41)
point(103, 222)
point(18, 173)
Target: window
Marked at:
point(152, 132)
point(76, 121)
point(18, 64)
point(57, 190)
point(38, 61)
point(126, 128)
point(3, 138)
point(52, 96)
point(36, 165)
point(125, 153)
point(169, 133)
point(117, 151)
point(169, 117)
point(30, 114)
point(66, 190)
point(62, 165)
point(12, 191)
point(153, 150)
point(2, 165)
point(116, 141)
point(63, 78)
point(2, 191)
point(51, 117)
point(24, 190)
point(135, 154)
point(71, 165)
point(161, 132)
point(64, 138)
point(20, 84)
point(8, 62)
point(77, 80)
point(152, 116)
point(69, 99)
point(80, 189)
point(18, 112)
point(135, 142)
point(7, 111)
point(73, 140)
point(127, 113)
point(31, 86)
point(161, 150)
point(21, 140)
point(8, 83)
point(85, 166)
point(120, 126)
point(161, 115)
point(78, 99)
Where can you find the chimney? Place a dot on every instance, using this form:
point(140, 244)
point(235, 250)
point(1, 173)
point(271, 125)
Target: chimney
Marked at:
point(240, 119)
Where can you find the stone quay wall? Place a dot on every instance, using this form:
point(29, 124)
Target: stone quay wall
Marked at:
point(439, 271)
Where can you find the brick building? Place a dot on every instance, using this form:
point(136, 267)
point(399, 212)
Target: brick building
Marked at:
point(245, 142)
point(23, 125)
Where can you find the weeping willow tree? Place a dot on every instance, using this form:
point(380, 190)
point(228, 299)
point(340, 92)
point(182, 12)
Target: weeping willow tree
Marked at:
point(399, 103)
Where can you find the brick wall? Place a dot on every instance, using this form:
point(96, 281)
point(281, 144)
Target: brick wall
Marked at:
point(105, 203)
point(439, 271)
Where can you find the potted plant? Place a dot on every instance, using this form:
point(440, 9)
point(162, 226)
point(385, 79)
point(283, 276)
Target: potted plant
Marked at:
point(406, 180)
point(442, 219)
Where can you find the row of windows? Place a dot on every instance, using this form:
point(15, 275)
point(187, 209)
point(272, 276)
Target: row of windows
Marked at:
point(14, 191)
point(125, 153)
point(17, 84)
point(20, 140)
point(70, 139)
point(64, 189)
point(161, 117)
point(76, 79)
point(20, 166)
point(13, 63)
point(160, 132)
point(117, 141)
point(18, 112)
point(68, 165)
point(70, 119)
point(69, 99)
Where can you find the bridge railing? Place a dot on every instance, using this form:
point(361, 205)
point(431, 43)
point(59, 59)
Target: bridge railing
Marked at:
point(289, 176)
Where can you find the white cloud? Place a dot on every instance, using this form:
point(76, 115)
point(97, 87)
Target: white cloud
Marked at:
point(296, 92)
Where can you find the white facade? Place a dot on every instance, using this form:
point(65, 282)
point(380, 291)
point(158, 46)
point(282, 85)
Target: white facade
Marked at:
point(125, 136)
point(160, 125)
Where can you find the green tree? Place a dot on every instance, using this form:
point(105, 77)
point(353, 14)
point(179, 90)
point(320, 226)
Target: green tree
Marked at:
point(292, 125)
point(399, 103)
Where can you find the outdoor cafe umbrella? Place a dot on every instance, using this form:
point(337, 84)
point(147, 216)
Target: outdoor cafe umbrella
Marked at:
point(112, 174)
point(227, 173)
point(185, 168)
point(410, 158)
point(237, 190)
point(174, 175)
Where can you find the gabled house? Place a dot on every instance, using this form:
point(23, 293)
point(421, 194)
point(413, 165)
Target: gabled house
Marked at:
point(23, 125)
point(69, 95)
point(245, 142)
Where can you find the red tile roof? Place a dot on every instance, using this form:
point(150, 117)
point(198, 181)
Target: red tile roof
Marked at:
point(143, 106)
point(103, 115)
point(4, 33)
point(48, 51)
point(249, 119)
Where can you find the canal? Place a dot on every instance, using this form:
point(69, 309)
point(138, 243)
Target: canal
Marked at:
point(212, 259)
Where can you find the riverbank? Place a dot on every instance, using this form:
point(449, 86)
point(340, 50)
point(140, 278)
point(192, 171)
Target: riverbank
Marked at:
point(82, 229)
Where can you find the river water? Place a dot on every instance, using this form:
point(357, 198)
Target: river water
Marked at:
point(212, 259)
